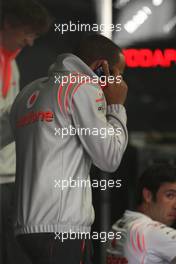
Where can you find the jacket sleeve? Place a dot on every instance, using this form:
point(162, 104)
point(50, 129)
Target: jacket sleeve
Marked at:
point(6, 134)
point(107, 138)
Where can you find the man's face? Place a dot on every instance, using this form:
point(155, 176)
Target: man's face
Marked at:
point(164, 208)
point(17, 37)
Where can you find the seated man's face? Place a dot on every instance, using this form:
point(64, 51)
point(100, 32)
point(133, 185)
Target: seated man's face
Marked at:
point(164, 208)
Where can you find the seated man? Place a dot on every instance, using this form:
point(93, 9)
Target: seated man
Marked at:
point(145, 234)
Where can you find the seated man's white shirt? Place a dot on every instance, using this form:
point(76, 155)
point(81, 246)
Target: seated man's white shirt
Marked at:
point(143, 241)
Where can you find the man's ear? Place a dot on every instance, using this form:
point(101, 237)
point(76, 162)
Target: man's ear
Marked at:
point(96, 64)
point(147, 195)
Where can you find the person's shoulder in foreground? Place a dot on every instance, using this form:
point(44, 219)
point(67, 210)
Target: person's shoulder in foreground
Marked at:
point(146, 235)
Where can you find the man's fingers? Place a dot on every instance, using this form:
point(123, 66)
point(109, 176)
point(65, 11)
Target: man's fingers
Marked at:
point(116, 71)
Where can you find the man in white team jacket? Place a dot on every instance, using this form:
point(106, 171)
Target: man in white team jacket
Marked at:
point(146, 237)
point(44, 118)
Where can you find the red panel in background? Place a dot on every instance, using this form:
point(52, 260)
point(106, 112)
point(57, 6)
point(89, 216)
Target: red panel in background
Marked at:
point(147, 58)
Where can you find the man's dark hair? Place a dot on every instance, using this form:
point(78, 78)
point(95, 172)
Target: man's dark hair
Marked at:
point(29, 13)
point(95, 47)
point(152, 179)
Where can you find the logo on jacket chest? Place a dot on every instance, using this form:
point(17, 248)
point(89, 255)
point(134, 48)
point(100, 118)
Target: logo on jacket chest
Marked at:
point(32, 99)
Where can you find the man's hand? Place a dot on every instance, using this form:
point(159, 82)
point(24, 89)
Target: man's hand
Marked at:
point(115, 93)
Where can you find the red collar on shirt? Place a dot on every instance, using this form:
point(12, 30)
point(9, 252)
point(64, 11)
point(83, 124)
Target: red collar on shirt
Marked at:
point(6, 57)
